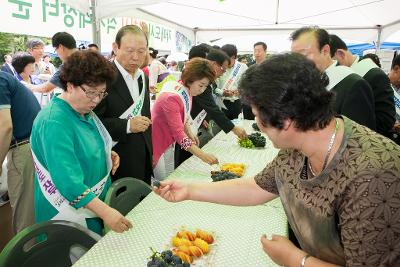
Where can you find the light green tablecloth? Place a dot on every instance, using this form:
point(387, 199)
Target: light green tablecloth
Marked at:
point(237, 229)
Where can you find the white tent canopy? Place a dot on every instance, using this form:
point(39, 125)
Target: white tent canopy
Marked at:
point(213, 20)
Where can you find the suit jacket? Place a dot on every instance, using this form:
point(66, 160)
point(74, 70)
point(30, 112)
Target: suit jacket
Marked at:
point(385, 111)
point(206, 101)
point(135, 149)
point(7, 68)
point(354, 99)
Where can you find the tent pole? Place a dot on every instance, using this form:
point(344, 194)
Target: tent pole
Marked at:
point(277, 12)
point(95, 24)
point(195, 35)
point(378, 41)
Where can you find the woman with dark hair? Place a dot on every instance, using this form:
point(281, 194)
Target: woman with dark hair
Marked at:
point(339, 182)
point(23, 64)
point(158, 72)
point(72, 149)
point(171, 119)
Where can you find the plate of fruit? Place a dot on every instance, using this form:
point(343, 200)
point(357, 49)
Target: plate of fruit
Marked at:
point(228, 171)
point(254, 140)
point(187, 248)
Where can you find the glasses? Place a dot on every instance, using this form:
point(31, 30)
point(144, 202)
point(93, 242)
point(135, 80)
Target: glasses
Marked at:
point(221, 68)
point(93, 94)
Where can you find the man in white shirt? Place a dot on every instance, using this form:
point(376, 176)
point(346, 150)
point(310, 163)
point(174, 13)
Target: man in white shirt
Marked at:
point(227, 84)
point(125, 112)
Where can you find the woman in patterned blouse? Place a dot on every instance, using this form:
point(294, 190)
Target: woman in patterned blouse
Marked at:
point(339, 182)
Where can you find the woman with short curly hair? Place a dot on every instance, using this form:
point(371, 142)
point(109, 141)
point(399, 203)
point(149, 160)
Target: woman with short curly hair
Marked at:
point(72, 149)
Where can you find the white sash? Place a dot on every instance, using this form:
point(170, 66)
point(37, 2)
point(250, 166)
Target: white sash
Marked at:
point(397, 102)
point(136, 108)
point(196, 123)
point(180, 90)
point(363, 66)
point(336, 74)
point(233, 76)
point(53, 196)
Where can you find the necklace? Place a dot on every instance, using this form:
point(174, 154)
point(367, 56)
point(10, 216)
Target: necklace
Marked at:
point(328, 153)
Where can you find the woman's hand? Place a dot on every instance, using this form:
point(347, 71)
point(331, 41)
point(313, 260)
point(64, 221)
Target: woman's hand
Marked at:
point(209, 158)
point(172, 191)
point(115, 162)
point(116, 221)
point(282, 251)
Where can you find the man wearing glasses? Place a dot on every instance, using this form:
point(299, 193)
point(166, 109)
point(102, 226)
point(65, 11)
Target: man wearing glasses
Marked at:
point(205, 108)
point(64, 45)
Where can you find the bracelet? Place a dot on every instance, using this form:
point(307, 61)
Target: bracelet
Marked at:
point(303, 260)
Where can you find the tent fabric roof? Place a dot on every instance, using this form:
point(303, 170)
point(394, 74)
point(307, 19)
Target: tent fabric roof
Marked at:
point(357, 19)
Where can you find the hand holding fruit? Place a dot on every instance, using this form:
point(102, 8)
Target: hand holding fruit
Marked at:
point(173, 191)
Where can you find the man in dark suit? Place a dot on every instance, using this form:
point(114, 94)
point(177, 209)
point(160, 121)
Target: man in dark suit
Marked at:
point(380, 84)
point(354, 97)
point(125, 112)
point(7, 67)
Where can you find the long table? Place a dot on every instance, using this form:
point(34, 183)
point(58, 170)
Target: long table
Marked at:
point(237, 229)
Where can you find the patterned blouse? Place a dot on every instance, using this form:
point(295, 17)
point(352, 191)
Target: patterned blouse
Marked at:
point(350, 213)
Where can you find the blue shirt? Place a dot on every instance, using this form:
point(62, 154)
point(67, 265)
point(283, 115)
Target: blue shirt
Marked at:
point(55, 79)
point(23, 104)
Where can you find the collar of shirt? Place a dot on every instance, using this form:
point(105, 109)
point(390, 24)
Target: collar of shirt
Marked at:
point(331, 67)
point(131, 82)
point(355, 61)
point(125, 74)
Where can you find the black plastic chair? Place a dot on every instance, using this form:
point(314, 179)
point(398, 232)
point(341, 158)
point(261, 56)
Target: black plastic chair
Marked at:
point(47, 244)
point(125, 193)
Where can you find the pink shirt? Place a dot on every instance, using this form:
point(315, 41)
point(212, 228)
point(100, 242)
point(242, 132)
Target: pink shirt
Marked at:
point(167, 117)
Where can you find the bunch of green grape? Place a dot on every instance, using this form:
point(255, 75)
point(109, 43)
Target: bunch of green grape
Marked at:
point(246, 143)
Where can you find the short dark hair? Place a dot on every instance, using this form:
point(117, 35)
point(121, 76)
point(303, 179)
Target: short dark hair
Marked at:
point(396, 61)
point(321, 35)
point(134, 29)
point(374, 58)
point(198, 51)
point(86, 67)
point(218, 56)
point(197, 69)
point(230, 50)
point(93, 45)
point(264, 45)
point(153, 52)
point(336, 43)
point(21, 60)
point(63, 38)
point(288, 86)
point(32, 43)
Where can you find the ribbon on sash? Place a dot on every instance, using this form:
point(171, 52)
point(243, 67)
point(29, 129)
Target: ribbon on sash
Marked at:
point(59, 202)
point(397, 103)
point(363, 66)
point(336, 74)
point(136, 108)
point(233, 76)
point(196, 123)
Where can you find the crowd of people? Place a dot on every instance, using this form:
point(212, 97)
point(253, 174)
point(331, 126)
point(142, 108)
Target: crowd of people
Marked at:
point(331, 114)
